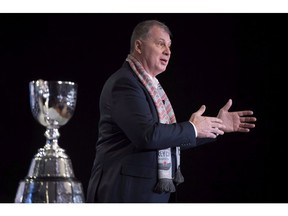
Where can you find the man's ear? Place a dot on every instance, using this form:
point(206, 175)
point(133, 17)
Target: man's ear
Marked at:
point(138, 46)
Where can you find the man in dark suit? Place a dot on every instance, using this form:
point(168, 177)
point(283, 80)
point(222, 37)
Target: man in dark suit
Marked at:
point(138, 148)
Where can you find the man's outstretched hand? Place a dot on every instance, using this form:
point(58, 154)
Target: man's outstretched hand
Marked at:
point(207, 127)
point(237, 121)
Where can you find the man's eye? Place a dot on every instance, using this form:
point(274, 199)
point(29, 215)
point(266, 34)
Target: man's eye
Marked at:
point(161, 44)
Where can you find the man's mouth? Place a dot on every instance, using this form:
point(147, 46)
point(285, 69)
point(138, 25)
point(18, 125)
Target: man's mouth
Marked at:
point(164, 61)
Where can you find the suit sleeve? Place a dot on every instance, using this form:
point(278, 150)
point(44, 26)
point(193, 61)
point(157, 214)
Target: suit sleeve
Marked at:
point(135, 113)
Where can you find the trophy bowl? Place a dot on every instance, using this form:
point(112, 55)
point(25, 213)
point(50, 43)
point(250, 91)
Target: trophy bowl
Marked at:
point(50, 177)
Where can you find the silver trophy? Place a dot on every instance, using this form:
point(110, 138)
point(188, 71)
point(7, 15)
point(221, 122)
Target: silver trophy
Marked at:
point(51, 178)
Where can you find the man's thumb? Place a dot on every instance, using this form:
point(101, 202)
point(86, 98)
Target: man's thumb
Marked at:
point(201, 110)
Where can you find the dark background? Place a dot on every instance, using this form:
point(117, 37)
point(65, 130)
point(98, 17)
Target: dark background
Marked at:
point(214, 57)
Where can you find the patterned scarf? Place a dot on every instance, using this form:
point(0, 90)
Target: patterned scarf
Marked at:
point(166, 116)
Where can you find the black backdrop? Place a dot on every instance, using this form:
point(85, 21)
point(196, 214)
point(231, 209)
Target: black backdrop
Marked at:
point(214, 57)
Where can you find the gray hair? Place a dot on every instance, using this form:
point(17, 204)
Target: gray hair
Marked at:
point(142, 29)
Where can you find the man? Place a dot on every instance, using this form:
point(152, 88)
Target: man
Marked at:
point(138, 148)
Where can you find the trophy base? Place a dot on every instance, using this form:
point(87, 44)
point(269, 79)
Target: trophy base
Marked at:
point(50, 190)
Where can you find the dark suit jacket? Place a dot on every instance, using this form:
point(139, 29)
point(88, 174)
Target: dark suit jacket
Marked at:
point(125, 166)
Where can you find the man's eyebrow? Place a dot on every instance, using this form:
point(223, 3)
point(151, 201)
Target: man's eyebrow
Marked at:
point(165, 40)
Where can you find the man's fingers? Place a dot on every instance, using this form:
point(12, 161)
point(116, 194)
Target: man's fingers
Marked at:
point(217, 131)
point(245, 113)
point(248, 119)
point(246, 125)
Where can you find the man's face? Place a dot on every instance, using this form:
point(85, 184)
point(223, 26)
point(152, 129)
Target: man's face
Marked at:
point(155, 51)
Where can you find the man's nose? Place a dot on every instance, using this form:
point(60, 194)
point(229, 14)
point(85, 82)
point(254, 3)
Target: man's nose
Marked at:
point(167, 51)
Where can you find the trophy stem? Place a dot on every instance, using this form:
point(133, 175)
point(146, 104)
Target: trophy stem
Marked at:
point(52, 135)
point(51, 147)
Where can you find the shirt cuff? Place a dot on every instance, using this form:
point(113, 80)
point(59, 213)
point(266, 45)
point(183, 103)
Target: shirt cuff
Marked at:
point(196, 133)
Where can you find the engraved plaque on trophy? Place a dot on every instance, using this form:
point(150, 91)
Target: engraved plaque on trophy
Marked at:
point(51, 178)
